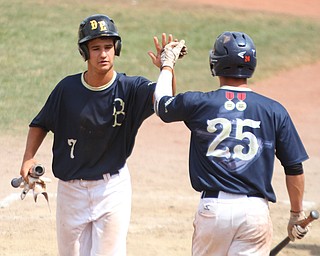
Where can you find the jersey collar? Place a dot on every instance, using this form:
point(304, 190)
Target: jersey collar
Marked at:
point(100, 88)
point(234, 88)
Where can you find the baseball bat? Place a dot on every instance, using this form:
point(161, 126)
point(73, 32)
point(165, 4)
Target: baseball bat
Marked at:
point(312, 216)
point(35, 172)
point(16, 182)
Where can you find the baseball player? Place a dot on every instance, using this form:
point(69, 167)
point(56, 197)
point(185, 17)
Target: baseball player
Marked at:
point(95, 116)
point(235, 136)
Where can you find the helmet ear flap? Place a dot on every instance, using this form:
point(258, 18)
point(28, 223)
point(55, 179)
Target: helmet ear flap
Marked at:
point(117, 47)
point(211, 60)
point(83, 50)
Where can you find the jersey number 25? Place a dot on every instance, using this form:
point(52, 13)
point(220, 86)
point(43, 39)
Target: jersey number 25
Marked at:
point(240, 135)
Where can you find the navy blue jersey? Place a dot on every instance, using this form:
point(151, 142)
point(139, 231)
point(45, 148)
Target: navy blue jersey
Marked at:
point(94, 128)
point(235, 135)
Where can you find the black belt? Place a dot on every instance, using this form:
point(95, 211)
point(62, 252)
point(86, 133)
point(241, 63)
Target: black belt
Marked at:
point(215, 194)
point(100, 177)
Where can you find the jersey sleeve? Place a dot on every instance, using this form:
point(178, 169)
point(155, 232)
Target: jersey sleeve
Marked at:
point(178, 108)
point(139, 91)
point(45, 119)
point(143, 97)
point(289, 147)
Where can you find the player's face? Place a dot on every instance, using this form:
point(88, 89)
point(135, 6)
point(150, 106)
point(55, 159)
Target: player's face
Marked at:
point(101, 54)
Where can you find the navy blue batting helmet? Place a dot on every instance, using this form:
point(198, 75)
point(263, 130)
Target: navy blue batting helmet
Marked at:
point(233, 55)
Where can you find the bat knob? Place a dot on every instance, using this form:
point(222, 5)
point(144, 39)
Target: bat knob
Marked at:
point(314, 214)
point(16, 182)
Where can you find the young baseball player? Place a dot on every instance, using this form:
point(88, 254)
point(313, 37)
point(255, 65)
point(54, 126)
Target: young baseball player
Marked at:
point(95, 116)
point(235, 136)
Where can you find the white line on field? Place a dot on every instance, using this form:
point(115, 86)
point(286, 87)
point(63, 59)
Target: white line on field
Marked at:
point(14, 197)
point(9, 199)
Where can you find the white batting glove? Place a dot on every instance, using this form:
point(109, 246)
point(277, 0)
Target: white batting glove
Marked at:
point(294, 229)
point(171, 53)
point(299, 232)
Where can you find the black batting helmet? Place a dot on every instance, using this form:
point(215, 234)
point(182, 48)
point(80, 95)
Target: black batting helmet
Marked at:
point(233, 55)
point(94, 26)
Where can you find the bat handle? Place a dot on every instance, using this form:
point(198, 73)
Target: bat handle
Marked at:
point(279, 247)
point(312, 216)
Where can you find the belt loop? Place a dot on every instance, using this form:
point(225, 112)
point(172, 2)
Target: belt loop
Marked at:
point(106, 177)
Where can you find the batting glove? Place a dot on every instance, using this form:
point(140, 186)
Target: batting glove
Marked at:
point(294, 228)
point(172, 52)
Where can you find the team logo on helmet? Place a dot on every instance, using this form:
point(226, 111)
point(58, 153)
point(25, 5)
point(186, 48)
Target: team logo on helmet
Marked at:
point(102, 25)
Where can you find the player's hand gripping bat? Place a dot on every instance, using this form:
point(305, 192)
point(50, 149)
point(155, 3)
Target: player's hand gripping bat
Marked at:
point(312, 216)
point(35, 182)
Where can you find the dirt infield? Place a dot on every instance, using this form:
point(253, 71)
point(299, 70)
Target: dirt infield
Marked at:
point(163, 200)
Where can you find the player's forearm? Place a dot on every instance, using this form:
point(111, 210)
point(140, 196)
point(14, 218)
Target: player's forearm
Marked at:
point(295, 187)
point(164, 85)
point(174, 86)
point(35, 137)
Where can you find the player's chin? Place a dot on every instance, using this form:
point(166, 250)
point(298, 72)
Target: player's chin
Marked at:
point(105, 66)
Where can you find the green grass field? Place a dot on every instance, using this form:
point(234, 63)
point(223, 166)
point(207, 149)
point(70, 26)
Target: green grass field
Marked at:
point(38, 45)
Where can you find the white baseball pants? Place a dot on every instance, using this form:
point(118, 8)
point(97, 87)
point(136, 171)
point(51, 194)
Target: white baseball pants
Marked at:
point(93, 216)
point(232, 225)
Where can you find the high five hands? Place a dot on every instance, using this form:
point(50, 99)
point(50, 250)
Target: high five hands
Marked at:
point(169, 51)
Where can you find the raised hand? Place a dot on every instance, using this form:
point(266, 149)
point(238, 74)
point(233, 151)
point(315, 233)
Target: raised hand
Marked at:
point(171, 53)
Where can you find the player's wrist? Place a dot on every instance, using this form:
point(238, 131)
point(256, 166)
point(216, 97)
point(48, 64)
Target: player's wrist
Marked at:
point(169, 68)
point(296, 211)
